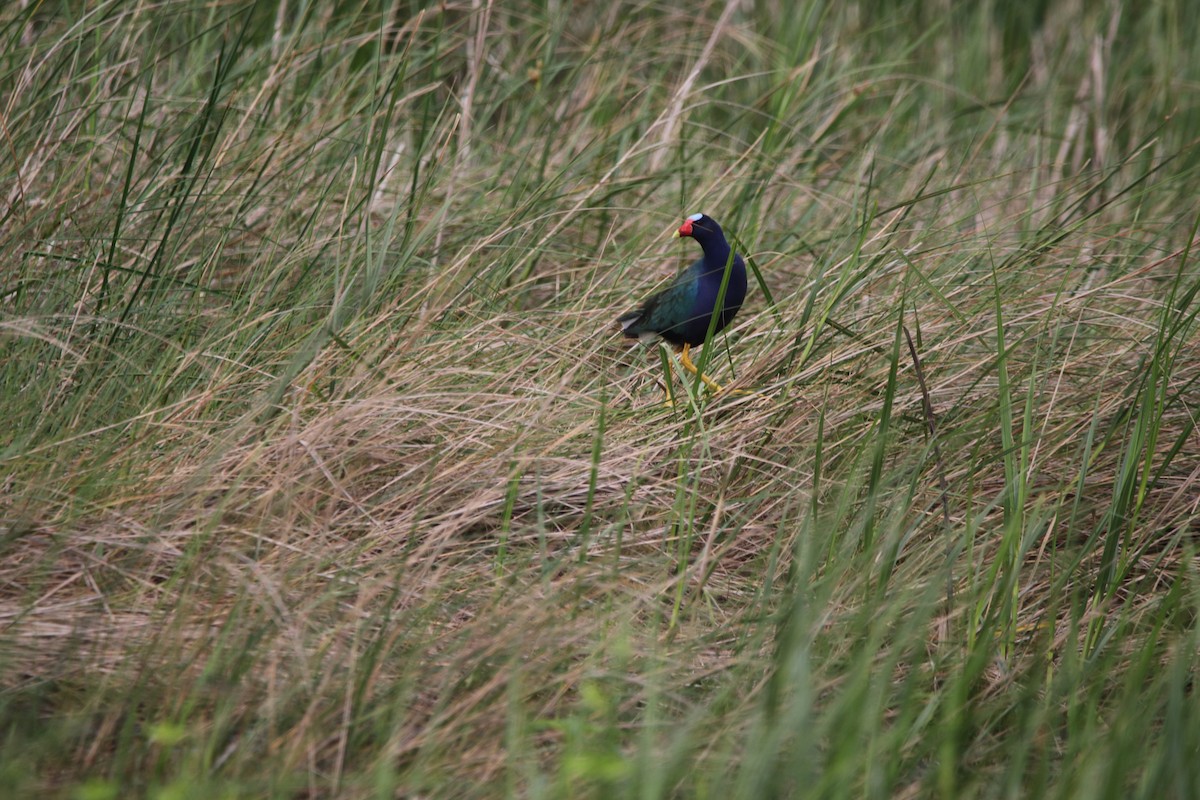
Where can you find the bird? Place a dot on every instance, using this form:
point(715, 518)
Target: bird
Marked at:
point(682, 313)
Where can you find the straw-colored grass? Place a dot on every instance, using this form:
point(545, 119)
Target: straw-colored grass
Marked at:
point(325, 473)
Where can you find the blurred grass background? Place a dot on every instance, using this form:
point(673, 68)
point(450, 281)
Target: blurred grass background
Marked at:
point(324, 474)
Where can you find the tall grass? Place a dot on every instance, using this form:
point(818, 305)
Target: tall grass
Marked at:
point(324, 474)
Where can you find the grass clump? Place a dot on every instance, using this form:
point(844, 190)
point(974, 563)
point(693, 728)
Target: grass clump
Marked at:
point(324, 476)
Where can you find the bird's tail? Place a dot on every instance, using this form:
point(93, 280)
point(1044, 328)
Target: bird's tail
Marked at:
point(628, 323)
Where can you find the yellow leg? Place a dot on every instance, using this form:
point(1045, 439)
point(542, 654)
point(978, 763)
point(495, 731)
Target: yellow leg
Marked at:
point(669, 378)
point(686, 360)
point(668, 399)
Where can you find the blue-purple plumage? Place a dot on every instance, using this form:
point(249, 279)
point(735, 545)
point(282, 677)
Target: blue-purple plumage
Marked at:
point(681, 312)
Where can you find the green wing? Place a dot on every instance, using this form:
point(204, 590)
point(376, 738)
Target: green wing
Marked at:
point(666, 309)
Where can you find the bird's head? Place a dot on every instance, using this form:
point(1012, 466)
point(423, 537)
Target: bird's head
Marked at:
point(699, 226)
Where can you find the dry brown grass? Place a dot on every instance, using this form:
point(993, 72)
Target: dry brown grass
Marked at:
point(327, 475)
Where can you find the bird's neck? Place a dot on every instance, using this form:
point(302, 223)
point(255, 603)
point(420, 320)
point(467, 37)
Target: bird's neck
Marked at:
point(716, 255)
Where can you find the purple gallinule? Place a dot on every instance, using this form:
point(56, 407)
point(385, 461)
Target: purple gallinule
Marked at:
point(682, 313)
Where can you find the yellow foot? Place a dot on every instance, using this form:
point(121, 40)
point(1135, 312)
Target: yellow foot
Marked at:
point(686, 360)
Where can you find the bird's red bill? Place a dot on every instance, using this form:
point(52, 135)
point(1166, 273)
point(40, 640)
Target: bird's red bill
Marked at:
point(686, 228)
